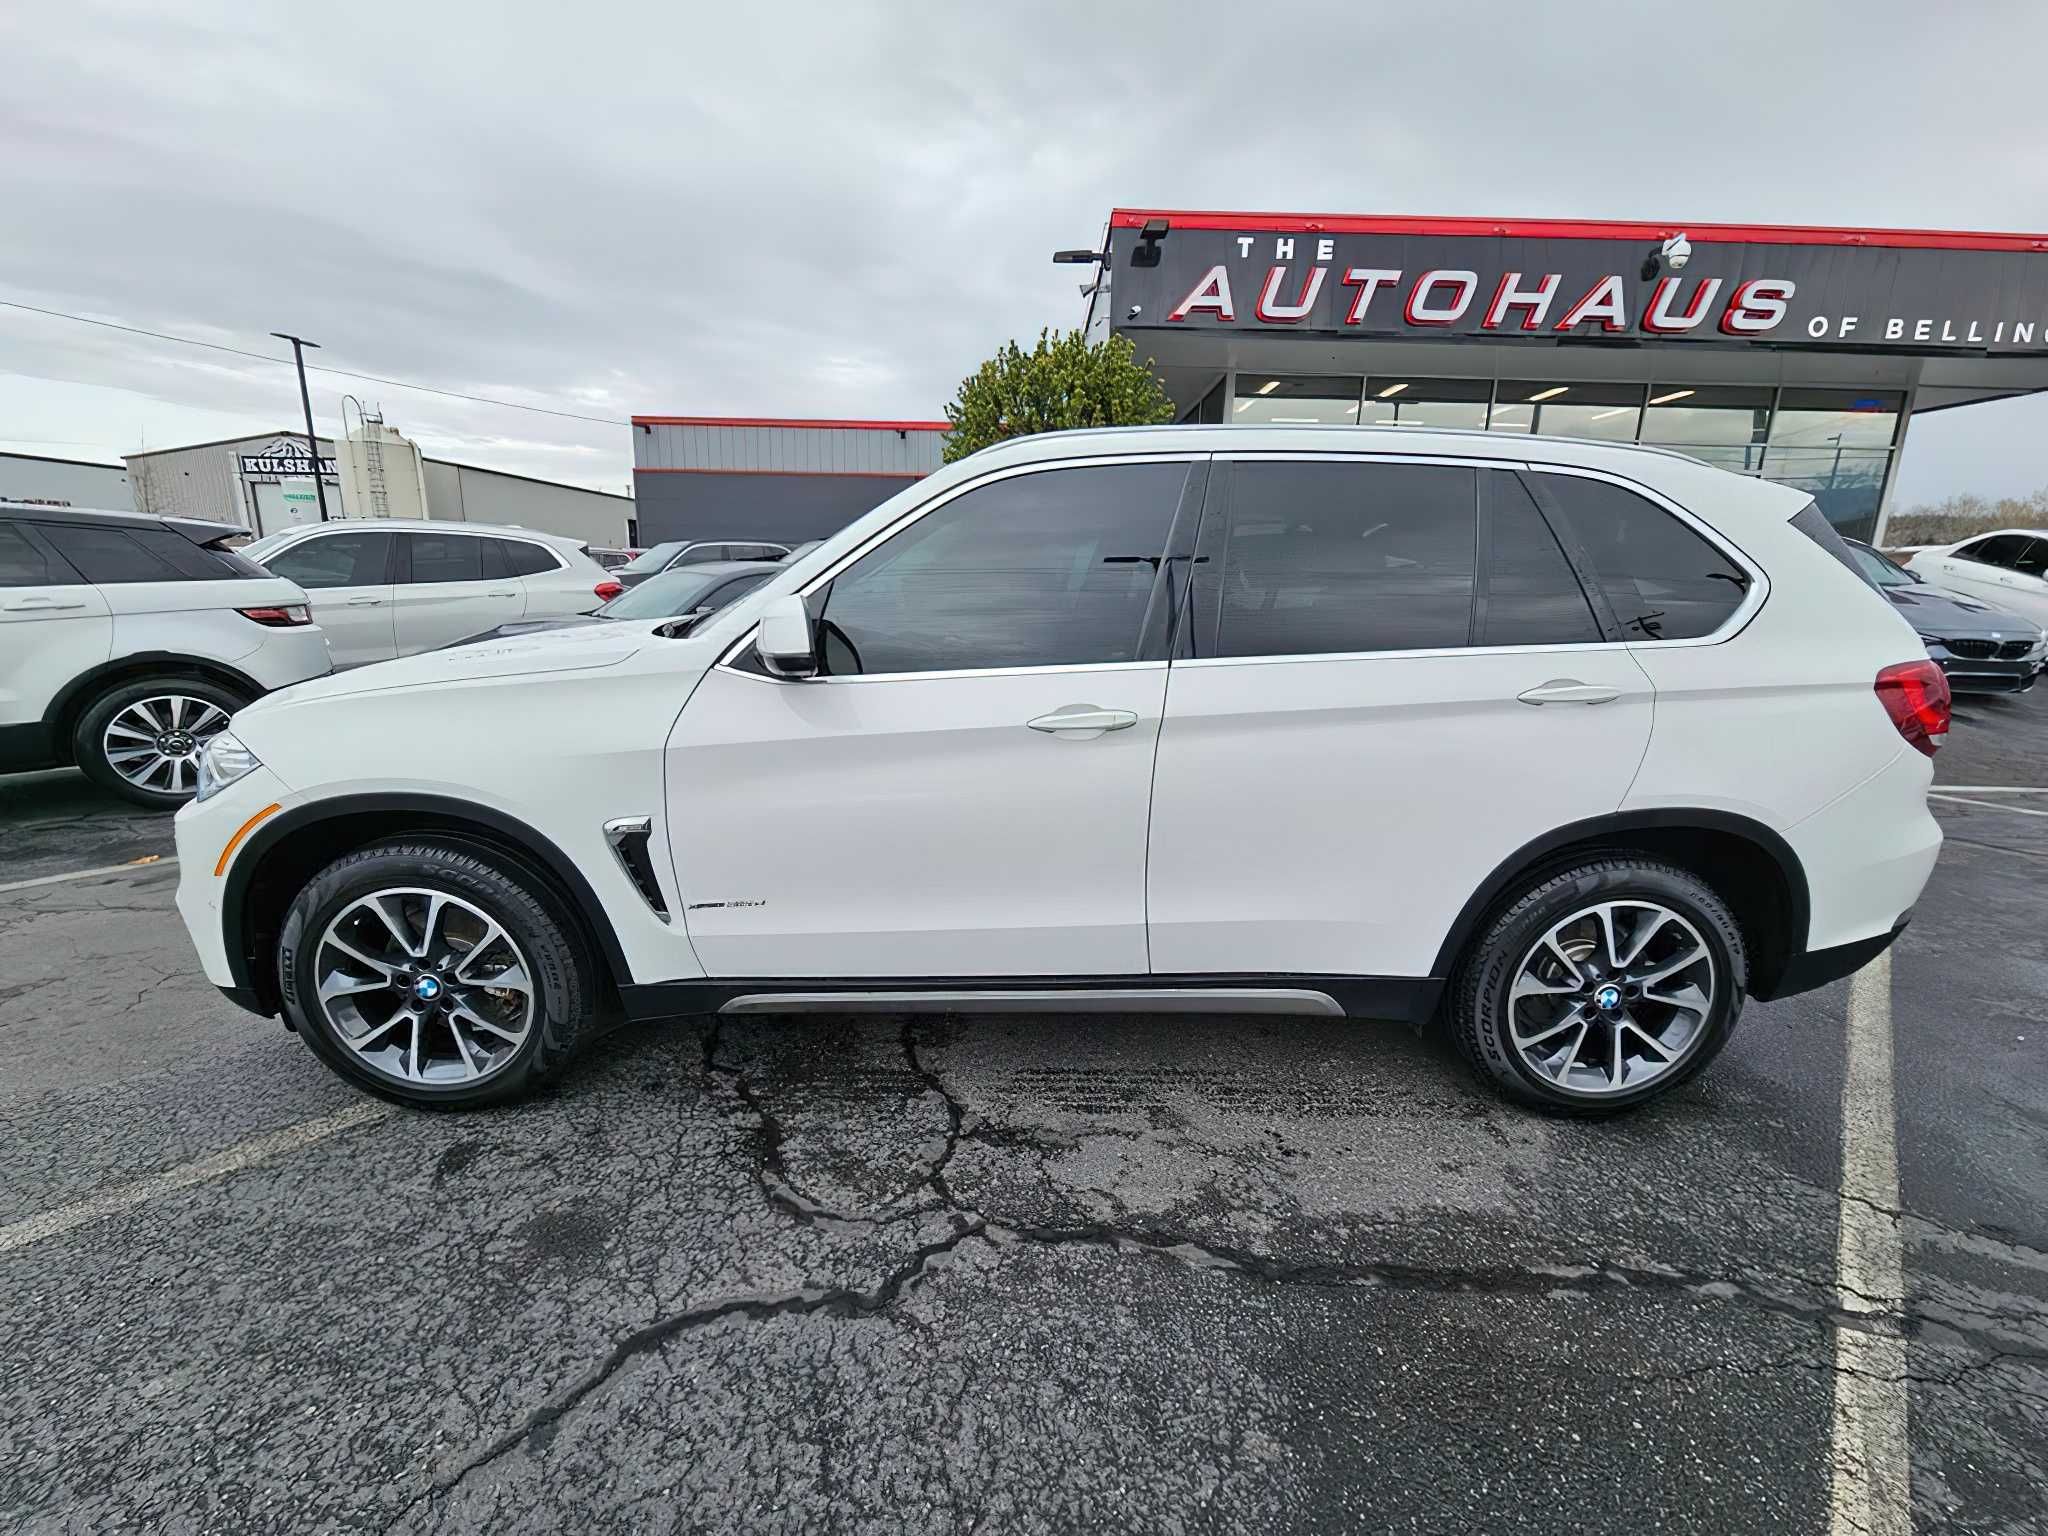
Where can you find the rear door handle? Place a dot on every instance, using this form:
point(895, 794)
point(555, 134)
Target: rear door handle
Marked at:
point(501, 594)
point(1083, 720)
point(1569, 690)
point(364, 602)
point(39, 602)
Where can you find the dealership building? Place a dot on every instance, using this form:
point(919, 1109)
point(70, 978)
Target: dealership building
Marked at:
point(1799, 354)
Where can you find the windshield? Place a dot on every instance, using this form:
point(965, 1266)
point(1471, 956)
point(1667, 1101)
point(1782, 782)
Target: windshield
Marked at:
point(653, 559)
point(1879, 569)
point(666, 596)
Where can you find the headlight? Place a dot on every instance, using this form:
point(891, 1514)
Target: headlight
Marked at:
point(222, 761)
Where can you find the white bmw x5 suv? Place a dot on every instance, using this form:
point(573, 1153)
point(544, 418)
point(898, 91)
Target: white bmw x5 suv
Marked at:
point(1572, 746)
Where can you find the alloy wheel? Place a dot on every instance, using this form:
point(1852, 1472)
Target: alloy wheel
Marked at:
point(1611, 997)
point(424, 987)
point(155, 743)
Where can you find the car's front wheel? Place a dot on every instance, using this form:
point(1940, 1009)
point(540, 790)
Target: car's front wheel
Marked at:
point(1601, 986)
point(432, 974)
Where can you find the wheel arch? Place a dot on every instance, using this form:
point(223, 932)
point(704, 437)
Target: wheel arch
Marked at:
point(292, 846)
point(76, 697)
point(1750, 866)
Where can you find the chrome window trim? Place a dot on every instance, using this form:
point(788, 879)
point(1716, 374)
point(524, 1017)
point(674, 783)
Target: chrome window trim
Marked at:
point(919, 677)
point(1357, 455)
point(1759, 582)
point(915, 514)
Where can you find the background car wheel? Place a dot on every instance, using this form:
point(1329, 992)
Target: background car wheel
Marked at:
point(1601, 987)
point(142, 739)
point(431, 974)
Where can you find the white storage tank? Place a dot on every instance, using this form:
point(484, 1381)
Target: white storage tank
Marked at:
point(380, 471)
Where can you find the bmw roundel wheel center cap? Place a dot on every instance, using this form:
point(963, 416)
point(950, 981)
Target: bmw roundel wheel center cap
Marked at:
point(427, 989)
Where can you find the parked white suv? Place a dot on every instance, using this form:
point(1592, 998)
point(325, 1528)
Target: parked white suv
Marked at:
point(127, 640)
point(1572, 744)
point(384, 586)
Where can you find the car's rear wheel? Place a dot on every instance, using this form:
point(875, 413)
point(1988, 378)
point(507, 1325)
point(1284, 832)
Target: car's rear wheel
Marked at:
point(433, 974)
point(142, 739)
point(1602, 986)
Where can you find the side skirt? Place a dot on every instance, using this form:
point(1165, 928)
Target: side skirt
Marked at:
point(1403, 998)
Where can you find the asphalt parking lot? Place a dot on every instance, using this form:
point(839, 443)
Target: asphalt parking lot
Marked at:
point(1140, 1273)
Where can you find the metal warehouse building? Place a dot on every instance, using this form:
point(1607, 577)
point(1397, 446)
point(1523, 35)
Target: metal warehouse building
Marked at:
point(244, 480)
point(63, 482)
point(703, 477)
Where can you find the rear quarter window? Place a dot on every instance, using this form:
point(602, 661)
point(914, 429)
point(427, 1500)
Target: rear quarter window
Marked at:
point(110, 556)
point(1663, 580)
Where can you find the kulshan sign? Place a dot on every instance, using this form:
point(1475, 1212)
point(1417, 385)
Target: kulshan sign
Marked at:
point(284, 459)
point(1419, 279)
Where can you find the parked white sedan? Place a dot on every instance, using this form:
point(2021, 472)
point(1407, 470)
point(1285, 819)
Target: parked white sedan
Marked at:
point(2008, 568)
point(385, 587)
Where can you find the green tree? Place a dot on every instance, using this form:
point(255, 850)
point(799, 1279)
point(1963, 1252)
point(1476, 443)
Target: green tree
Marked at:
point(1062, 382)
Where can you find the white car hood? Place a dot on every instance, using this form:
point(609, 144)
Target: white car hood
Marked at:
point(553, 650)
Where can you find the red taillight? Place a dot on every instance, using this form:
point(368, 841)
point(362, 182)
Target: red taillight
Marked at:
point(278, 618)
point(608, 590)
point(1915, 695)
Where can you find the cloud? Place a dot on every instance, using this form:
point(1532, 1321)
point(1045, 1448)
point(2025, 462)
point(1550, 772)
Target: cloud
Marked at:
point(838, 210)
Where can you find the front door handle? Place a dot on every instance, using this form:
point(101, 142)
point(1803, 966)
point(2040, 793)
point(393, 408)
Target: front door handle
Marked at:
point(364, 602)
point(1083, 721)
point(501, 594)
point(1569, 690)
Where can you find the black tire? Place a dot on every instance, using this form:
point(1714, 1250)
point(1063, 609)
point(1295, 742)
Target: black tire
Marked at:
point(563, 976)
point(1479, 1008)
point(88, 737)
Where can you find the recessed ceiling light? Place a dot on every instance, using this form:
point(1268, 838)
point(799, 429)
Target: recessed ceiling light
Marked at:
point(1392, 390)
point(1676, 394)
point(1550, 393)
point(1269, 386)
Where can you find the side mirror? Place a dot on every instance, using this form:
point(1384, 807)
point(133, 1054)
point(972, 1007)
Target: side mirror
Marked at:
point(786, 643)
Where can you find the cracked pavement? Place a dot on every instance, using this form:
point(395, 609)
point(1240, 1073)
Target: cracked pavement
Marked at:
point(1010, 1272)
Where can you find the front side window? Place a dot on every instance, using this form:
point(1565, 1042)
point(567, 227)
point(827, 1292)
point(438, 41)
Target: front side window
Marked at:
point(334, 560)
point(1663, 580)
point(2003, 550)
point(2033, 560)
point(1532, 596)
point(1053, 568)
point(1320, 558)
point(444, 557)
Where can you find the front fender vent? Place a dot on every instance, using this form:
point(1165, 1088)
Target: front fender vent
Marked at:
point(628, 836)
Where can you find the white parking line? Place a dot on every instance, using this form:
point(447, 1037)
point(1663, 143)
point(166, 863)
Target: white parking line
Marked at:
point(1870, 1476)
point(1987, 805)
point(259, 1149)
point(154, 861)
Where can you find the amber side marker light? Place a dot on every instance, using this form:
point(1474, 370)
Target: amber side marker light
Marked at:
point(241, 832)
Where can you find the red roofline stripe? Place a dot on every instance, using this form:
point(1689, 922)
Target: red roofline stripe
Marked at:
point(1578, 229)
point(787, 421)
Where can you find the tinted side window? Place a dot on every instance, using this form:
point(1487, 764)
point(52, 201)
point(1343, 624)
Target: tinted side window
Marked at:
point(1039, 570)
point(2003, 550)
point(1663, 581)
point(1319, 558)
point(23, 565)
point(185, 557)
point(731, 591)
point(525, 559)
point(1532, 596)
point(107, 556)
point(444, 557)
point(2033, 560)
point(334, 560)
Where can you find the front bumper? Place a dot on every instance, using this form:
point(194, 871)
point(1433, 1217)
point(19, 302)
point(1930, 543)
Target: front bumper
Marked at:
point(1970, 674)
point(203, 829)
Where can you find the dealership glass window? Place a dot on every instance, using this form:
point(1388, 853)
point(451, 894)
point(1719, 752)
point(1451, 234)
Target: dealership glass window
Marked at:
point(1317, 558)
point(1399, 402)
point(1049, 569)
point(1721, 423)
point(1305, 399)
point(1609, 412)
point(1826, 418)
point(1847, 483)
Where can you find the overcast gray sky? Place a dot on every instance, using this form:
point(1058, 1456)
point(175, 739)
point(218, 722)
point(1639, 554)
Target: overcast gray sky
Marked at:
point(818, 210)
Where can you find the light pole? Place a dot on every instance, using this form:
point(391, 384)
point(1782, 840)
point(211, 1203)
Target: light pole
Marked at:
point(299, 344)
